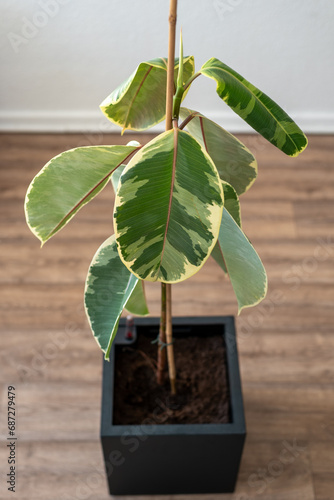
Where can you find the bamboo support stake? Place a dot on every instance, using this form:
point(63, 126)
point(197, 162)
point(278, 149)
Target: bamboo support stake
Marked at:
point(170, 64)
point(169, 125)
point(166, 334)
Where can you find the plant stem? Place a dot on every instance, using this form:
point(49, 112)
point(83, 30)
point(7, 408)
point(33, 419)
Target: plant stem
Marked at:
point(165, 334)
point(169, 339)
point(177, 102)
point(162, 354)
point(179, 87)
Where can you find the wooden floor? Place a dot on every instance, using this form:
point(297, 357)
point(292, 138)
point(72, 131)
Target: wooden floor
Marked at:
point(286, 344)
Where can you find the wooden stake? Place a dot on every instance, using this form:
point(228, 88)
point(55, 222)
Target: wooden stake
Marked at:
point(170, 64)
point(166, 334)
point(169, 125)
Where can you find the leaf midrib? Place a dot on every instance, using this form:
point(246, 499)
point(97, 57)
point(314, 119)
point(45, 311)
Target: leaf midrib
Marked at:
point(80, 202)
point(135, 96)
point(170, 194)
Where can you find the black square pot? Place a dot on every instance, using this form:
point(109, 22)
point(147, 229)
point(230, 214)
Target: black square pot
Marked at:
point(168, 459)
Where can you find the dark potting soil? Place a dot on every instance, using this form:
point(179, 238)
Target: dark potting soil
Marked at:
point(202, 387)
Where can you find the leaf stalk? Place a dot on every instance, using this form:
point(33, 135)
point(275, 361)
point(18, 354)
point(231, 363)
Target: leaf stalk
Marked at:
point(191, 79)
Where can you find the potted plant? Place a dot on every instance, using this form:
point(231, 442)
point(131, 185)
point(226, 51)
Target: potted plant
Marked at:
point(177, 203)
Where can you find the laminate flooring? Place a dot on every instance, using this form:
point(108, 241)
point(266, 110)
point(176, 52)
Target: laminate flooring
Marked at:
point(286, 344)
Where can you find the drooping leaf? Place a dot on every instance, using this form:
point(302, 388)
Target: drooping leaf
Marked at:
point(256, 108)
point(140, 102)
point(244, 266)
point(67, 183)
point(137, 301)
point(217, 255)
point(235, 163)
point(231, 202)
point(168, 209)
point(116, 177)
point(232, 205)
point(109, 287)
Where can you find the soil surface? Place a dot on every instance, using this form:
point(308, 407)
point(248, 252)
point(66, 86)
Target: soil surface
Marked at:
point(202, 387)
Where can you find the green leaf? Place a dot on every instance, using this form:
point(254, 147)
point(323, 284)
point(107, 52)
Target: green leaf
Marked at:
point(256, 108)
point(67, 183)
point(231, 202)
point(235, 163)
point(116, 177)
point(217, 255)
point(244, 266)
point(137, 301)
point(168, 209)
point(232, 205)
point(140, 102)
point(109, 287)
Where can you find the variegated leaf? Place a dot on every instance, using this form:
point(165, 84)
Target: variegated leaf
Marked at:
point(67, 183)
point(244, 266)
point(231, 202)
point(256, 108)
point(140, 102)
point(235, 163)
point(109, 288)
point(232, 205)
point(168, 209)
point(137, 302)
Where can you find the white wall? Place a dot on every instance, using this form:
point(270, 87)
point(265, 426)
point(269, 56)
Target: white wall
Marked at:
point(60, 58)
